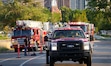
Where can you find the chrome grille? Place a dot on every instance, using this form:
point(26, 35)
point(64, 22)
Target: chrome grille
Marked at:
point(70, 45)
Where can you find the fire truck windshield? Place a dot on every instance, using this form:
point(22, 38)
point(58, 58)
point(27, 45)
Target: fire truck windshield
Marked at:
point(84, 27)
point(17, 33)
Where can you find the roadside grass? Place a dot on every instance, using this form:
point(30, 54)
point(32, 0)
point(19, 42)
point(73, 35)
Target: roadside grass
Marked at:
point(106, 36)
point(3, 49)
point(3, 37)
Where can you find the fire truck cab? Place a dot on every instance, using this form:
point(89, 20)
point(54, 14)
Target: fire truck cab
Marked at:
point(34, 35)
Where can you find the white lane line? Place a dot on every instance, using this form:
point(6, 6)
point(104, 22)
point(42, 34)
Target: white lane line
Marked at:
point(30, 60)
point(101, 57)
point(97, 41)
point(6, 59)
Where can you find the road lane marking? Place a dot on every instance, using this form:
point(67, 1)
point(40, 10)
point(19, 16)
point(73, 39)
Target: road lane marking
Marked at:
point(97, 41)
point(101, 57)
point(6, 59)
point(69, 64)
point(30, 60)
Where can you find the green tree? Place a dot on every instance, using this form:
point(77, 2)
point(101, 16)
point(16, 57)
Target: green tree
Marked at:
point(17, 10)
point(78, 15)
point(75, 15)
point(55, 17)
point(12, 12)
point(98, 4)
point(84, 16)
point(6, 29)
point(27, 1)
point(99, 13)
point(65, 14)
point(91, 15)
point(99, 19)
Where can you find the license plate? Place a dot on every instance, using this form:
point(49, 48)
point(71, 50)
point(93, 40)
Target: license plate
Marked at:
point(70, 46)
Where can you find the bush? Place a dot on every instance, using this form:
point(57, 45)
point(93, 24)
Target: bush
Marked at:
point(3, 49)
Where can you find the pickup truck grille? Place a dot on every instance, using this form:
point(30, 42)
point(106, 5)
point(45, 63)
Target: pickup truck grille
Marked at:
point(70, 45)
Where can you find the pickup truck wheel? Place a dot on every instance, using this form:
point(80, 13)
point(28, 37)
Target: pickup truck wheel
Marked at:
point(88, 61)
point(47, 57)
point(81, 62)
point(16, 50)
point(51, 61)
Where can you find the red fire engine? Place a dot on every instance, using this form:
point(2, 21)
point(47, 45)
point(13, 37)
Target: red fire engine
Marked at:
point(87, 28)
point(27, 29)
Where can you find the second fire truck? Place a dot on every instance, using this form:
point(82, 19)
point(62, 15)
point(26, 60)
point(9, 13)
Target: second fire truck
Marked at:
point(88, 28)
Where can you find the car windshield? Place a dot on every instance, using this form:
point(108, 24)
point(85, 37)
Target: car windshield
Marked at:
point(17, 33)
point(68, 33)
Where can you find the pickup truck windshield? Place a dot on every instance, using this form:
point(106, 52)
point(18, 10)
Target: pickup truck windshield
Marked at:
point(68, 33)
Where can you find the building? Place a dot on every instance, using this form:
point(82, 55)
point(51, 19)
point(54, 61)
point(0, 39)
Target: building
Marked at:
point(60, 3)
point(73, 4)
point(63, 3)
point(78, 4)
point(47, 4)
point(11, 1)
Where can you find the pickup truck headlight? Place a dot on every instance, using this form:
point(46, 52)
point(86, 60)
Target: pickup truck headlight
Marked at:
point(53, 46)
point(86, 46)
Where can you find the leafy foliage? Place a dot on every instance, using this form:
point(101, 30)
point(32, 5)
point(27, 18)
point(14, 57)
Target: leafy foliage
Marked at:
point(77, 15)
point(3, 49)
point(99, 13)
point(65, 14)
point(55, 17)
point(22, 10)
point(73, 15)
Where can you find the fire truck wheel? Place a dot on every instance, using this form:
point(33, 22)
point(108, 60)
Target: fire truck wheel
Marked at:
point(15, 49)
point(34, 48)
point(44, 48)
point(91, 38)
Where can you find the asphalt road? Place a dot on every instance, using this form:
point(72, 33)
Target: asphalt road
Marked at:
point(100, 57)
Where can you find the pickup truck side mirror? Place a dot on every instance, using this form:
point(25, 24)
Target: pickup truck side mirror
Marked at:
point(46, 38)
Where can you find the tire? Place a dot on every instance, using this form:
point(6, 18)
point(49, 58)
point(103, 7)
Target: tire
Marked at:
point(88, 60)
point(36, 46)
point(51, 61)
point(34, 49)
point(44, 48)
point(91, 38)
point(16, 50)
point(81, 62)
point(47, 57)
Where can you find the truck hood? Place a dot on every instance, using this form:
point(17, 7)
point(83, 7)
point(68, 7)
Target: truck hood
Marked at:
point(69, 39)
